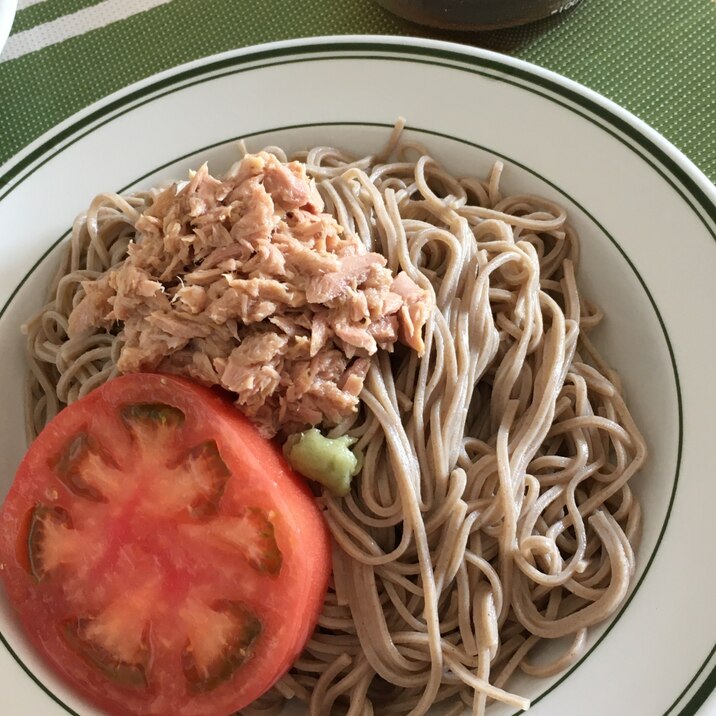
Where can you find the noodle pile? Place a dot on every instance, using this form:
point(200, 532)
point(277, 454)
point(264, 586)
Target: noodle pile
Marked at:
point(493, 511)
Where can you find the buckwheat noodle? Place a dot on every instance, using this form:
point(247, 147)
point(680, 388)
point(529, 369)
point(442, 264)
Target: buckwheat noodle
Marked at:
point(493, 513)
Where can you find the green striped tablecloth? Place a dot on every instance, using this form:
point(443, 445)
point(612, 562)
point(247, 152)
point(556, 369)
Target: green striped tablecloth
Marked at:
point(657, 58)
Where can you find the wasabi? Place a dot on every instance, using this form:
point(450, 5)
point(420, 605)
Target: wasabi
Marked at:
point(329, 461)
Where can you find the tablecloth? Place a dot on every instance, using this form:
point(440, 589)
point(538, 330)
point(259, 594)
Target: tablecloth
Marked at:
point(657, 58)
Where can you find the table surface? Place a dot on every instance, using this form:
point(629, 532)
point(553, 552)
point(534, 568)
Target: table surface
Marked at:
point(656, 58)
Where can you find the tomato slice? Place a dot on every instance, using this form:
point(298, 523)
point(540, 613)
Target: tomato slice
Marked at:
point(160, 553)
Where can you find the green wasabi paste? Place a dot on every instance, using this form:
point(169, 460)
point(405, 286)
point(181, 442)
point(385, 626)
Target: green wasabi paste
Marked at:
point(329, 461)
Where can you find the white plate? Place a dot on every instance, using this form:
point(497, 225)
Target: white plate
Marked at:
point(7, 15)
point(648, 223)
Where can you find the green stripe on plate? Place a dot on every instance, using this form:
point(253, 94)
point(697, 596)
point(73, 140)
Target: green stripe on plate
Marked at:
point(26, 669)
point(46, 11)
point(699, 698)
point(701, 693)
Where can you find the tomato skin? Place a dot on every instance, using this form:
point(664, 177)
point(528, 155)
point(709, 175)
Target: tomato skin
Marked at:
point(184, 575)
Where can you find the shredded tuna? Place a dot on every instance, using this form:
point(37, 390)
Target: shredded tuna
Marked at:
point(94, 309)
point(193, 298)
point(244, 283)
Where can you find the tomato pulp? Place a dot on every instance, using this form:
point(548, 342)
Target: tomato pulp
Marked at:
point(160, 553)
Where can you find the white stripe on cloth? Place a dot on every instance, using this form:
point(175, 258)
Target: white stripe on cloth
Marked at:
point(22, 4)
point(77, 23)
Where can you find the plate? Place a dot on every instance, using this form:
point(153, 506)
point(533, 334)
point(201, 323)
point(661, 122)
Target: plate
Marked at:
point(7, 15)
point(647, 218)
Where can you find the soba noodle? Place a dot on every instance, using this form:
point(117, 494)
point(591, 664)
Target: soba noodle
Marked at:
point(493, 512)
